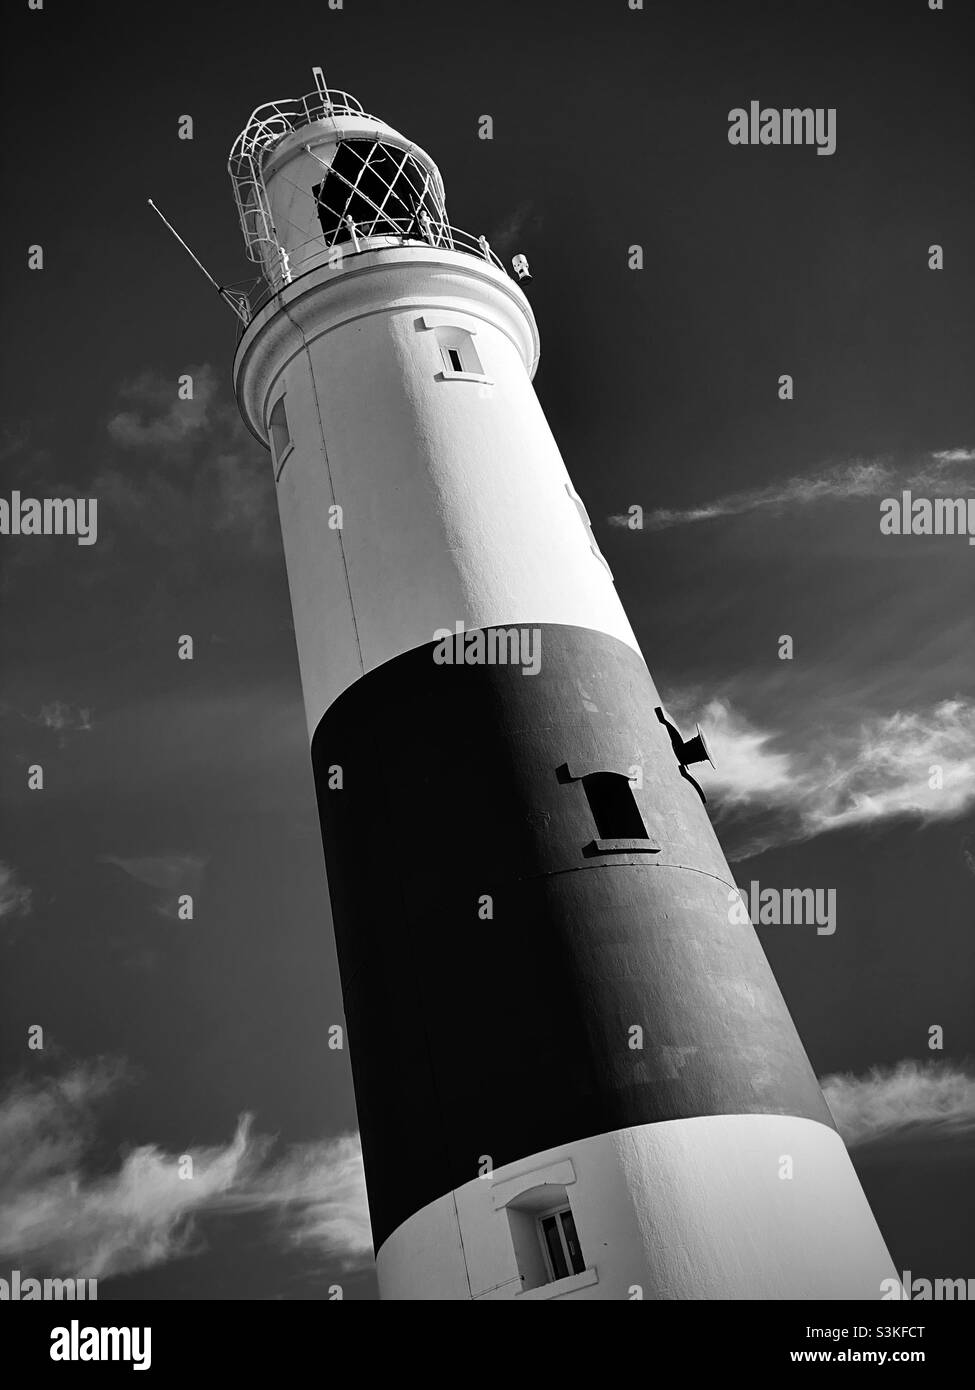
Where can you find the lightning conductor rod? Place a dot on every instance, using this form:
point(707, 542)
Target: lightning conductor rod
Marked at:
point(224, 294)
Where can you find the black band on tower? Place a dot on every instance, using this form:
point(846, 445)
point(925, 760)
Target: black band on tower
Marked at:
point(509, 905)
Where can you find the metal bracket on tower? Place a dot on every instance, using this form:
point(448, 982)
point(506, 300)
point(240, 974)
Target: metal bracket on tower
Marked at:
point(687, 750)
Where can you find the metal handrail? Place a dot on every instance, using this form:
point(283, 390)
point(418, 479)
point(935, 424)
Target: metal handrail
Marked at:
point(267, 126)
point(269, 122)
point(442, 237)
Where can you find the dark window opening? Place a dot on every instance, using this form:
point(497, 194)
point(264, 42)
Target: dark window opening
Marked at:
point(381, 188)
point(613, 806)
point(280, 432)
point(561, 1244)
point(457, 352)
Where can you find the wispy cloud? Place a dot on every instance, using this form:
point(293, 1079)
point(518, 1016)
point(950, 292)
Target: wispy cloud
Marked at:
point(172, 873)
point(199, 474)
point(58, 1213)
point(955, 455)
point(505, 234)
point(916, 764)
point(166, 871)
point(968, 854)
point(157, 415)
point(63, 718)
point(911, 1100)
point(838, 482)
point(317, 1192)
point(13, 440)
point(15, 897)
point(59, 716)
point(55, 1216)
point(747, 765)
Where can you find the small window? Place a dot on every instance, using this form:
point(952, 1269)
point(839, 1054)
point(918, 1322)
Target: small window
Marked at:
point(544, 1240)
point(458, 353)
point(560, 1244)
point(613, 806)
point(456, 348)
point(280, 434)
point(616, 815)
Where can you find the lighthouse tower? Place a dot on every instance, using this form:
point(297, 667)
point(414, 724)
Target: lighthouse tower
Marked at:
point(575, 1075)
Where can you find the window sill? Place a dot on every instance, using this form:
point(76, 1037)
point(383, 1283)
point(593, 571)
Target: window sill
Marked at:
point(445, 375)
point(561, 1286)
point(620, 847)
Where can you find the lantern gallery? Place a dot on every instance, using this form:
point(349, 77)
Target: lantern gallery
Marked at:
point(792, 126)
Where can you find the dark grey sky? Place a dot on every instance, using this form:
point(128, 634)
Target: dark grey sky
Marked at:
point(610, 129)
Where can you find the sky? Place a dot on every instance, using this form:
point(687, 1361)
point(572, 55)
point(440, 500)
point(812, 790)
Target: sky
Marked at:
point(166, 1039)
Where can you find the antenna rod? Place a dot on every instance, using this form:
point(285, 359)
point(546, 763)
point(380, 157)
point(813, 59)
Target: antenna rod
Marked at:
point(237, 308)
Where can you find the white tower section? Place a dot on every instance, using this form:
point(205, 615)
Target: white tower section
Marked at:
point(517, 1144)
point(395, 383)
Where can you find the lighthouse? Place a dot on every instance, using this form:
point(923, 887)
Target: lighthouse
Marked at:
point(575, 1075)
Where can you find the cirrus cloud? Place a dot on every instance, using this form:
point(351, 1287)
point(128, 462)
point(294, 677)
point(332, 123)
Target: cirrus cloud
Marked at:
point(860, 477)
point(907, 764)
point(15, 897)
point(57, 1212)
point(907, 1101)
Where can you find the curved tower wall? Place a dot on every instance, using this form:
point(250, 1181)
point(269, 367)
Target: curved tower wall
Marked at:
point(551, 1014)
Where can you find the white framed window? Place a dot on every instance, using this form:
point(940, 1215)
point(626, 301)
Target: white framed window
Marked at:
point(459, 354)
point(545, 1246)
point(280, 434)
point(560, 1243)
point(457, 344)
